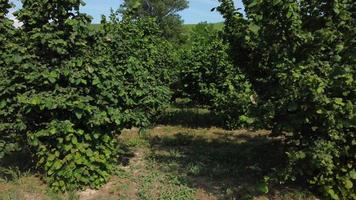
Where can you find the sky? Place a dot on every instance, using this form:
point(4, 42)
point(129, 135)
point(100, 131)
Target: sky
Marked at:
point(198, 11)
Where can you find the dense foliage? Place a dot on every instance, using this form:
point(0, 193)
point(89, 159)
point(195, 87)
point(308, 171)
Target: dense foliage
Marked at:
point(67, 91)
point(300, 59)
point(134, 48)
point(208, 78)
point(201, 64)
point(164, 11)
point(70, 91)
point(9, 58)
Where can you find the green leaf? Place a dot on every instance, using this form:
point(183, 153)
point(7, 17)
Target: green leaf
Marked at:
point(332, 194)
point(74, 140)
point(96, 81)
point(51, 157)
point(262, 187)
point(289, 14)
point(79, 114)
point(339, 101)
point(348, 184)
point(253, 3)
point(57, 165)
point(35, 100)
point(353, 174)
point(254, 28)
point(2, 104)
point(275, 2)
point(53, 131)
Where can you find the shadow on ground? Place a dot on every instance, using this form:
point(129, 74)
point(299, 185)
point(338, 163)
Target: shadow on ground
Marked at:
point(190, 118)
point(228, 166)
point(16, 165)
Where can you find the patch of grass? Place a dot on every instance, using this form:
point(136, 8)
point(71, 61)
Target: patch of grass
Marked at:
point(227, 164)
point(31, 187)
point(132, 139)
point(177, 162)
point(160, 186)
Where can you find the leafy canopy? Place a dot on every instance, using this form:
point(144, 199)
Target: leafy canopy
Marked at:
point(298, 57)
point(8, 58)
point(165, 12)
point(66, 91)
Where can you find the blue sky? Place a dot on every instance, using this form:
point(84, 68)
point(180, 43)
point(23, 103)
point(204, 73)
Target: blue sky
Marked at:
point(198, 11)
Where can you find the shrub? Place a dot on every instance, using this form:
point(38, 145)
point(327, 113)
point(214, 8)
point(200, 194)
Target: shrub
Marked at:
point(9, 60)
point(298, 57)
point(71, 93)
point(208, 77)
point(202, 64)
point(68, 120)
point(135, 50)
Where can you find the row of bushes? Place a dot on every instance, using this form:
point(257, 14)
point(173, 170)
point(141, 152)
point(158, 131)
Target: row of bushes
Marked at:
point(299, 57)
point(206, 76)
point(67, 91)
